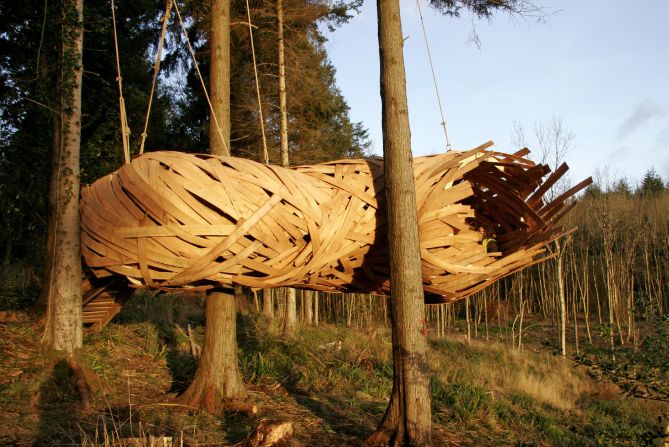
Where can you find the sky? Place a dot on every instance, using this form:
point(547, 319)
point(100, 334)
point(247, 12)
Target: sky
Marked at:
point(599, 66)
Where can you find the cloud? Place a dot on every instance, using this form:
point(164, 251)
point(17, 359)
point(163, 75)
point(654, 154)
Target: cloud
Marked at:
point(620, 152)
point(641, 114)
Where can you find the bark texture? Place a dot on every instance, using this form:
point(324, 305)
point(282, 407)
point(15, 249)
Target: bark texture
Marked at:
point(267, 304)
point(219, 78)
point(407, 421)
point(290, 320)
point(217, 379)
point(290, 317)
point(63, 331)
point(283, 109)
point(307, 303)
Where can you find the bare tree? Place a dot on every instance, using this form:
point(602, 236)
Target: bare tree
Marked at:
point(554, 141)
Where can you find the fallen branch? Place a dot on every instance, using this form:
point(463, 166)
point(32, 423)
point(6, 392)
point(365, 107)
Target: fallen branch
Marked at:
point(237, 406)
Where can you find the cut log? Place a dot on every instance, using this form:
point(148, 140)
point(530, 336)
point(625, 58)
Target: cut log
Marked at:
point(269, 434)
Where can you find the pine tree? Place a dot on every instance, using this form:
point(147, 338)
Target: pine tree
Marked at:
point(651, 184)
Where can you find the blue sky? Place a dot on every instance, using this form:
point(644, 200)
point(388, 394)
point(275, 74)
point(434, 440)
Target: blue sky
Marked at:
point(601, 66)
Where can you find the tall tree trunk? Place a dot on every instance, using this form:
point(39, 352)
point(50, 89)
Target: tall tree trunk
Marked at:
point(485, 312)
point(219, 78)
point(290, 320)
point(469, 322)
point(521, 293)
point(64, 332)
point(283, 109)
point(43, 300)
point(290, 312)
point(562, 297)
point(408, 418)
point(307, 302)
point(268, 304)
point(218, 377)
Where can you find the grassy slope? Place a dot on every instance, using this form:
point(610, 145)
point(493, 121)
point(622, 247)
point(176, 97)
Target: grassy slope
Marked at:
point(485, 394)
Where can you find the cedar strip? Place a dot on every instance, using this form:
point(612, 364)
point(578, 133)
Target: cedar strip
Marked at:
point(535, 198)
point(219, 249)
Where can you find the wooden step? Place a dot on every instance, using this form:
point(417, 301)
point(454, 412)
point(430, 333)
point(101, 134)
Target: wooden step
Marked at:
point(101, 302)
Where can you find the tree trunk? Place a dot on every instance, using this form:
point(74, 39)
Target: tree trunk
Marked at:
point(64, 331)
point(521, 293)
point(283, 109)
point(290, 320)
point(485, 312)
point(307, 303)
point(290, 315)
point(267, 304)
point(43, 300)
point(408, 418)
point(563, 298)
point(218, 377)
point(469, 323)
point(219, 78)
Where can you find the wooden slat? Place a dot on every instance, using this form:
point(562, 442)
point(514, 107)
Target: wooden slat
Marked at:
point(177, 221)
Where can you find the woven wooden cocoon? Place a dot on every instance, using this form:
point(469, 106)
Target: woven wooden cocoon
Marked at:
point(171, 220)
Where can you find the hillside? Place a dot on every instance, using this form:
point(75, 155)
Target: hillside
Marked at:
point(331, 382)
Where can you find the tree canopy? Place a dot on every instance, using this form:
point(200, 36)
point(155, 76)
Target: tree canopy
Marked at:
point(484, 8)
point(318, 114)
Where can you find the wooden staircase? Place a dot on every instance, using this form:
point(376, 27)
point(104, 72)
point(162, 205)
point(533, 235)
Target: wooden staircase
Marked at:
point(101, 302)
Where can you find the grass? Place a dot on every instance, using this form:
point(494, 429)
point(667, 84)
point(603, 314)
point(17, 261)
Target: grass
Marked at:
point(483, 394)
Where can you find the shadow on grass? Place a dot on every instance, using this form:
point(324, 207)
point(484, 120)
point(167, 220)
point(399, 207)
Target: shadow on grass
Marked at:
point(340, 415)
point(167, 313)
point(237, 426)
point(60, 408)
point(182, 367)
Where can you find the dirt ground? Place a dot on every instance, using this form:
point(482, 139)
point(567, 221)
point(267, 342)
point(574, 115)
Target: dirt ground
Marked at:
point(133, 392)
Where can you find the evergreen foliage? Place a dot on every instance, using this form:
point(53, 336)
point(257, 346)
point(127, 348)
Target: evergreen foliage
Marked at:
point(622, 186)
point(320, 128)
point(483, 8)
point(318, 117)
point(651, 184)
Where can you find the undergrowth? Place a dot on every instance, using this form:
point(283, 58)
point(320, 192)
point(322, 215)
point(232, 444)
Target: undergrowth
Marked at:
point(333, 382)
point(641, 372)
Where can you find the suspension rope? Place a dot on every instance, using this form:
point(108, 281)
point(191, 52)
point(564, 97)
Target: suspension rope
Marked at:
point(255, 72)
point(434, 77)
point(197, 68)
point(156, 70)
point(125, 130)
